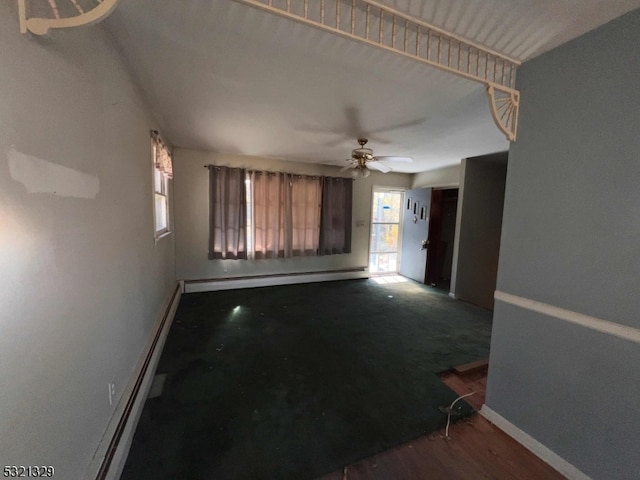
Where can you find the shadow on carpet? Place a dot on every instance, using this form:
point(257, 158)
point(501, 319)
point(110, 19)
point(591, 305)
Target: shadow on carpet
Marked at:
point(298, 381)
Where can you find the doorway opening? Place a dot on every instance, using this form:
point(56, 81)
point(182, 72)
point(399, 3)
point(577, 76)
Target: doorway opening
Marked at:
point(384, 253)
point(442, 227)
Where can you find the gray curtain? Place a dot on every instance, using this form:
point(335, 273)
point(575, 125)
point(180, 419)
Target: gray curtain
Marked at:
point(335, 223)
point(227, 213)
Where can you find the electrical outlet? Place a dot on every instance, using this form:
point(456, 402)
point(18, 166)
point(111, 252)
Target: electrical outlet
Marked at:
point(112, 392)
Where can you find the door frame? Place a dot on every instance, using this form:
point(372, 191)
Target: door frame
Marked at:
point(436, 220)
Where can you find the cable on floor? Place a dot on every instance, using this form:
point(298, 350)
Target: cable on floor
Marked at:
point(449, 411)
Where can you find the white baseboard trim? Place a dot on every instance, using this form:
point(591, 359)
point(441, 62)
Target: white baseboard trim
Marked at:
point(534, 446)
point(193, 286)
point(111, 455)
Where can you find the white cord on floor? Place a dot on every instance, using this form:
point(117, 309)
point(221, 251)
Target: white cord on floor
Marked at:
point(450, 409)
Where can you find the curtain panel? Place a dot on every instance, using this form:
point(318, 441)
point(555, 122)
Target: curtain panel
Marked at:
point(286, 214)
point(162, 155)
point(227, 213)
point(335, 224)
point(306, 196)
point(271, 214)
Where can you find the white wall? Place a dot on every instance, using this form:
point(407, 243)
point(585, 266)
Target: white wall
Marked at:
point(192, 217)
point(440, 177)
point(82, 282)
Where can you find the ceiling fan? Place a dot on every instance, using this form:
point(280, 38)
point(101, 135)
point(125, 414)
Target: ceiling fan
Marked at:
point(362, 161)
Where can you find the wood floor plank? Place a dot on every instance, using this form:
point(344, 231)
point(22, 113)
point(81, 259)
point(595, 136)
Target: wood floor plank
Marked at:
point(475, 449)
point(472, 367)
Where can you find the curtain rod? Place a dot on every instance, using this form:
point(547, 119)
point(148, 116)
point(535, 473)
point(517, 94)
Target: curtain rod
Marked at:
point(273, 173)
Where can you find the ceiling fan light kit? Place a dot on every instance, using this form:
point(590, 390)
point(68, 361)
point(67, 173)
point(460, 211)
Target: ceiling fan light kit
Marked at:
point(364, 172)
point(362, 161)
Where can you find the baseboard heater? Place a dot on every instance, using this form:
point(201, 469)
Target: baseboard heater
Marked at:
point(230, 283)
point(112, 452)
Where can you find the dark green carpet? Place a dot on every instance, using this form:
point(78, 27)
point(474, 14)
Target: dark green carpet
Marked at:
point(298, 381)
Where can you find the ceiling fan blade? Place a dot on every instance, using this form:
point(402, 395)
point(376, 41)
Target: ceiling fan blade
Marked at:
point(344, 169)
point(394, 159)
point(378, 166)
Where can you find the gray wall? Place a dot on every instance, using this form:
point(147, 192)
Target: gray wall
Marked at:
point(480, 205)
point(570, 239)
point(82, 281)
point(192, 217)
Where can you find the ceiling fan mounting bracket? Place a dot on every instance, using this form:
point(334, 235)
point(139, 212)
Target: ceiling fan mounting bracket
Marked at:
point(63, 14)
point(369, 22)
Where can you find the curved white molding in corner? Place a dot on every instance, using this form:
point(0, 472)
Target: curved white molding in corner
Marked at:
point(40, 26)
point(504, 104)
point(597, 324)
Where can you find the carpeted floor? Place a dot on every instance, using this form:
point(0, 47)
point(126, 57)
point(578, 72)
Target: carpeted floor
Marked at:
point(298, 381)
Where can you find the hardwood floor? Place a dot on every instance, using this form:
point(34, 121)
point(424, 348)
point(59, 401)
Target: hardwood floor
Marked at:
point(469, 380)
point(475, 449)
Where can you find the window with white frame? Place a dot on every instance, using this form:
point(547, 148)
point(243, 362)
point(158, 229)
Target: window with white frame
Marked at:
point(162, 173)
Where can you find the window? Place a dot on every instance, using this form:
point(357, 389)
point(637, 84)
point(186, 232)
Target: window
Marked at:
point(162, 173)
point(262, 215)
point(385, 230)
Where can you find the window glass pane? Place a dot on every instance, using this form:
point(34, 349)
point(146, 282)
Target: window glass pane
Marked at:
point(158, 181)
point(161, 212)
point(384, 238)
point(373, 263)
point(384, 263)
point(386, 207)
point(393, 262)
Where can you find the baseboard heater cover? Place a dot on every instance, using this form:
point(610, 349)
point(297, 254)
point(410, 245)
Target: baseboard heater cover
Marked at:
point(111, 454)
point(534, 446)
point(230, 283)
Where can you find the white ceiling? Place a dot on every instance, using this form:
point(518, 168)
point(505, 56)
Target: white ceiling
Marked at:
point(224, 77)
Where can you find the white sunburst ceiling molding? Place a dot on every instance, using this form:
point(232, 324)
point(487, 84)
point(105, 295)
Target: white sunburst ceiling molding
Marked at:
point(375, 24)
point(241, 81)
point(39, 16)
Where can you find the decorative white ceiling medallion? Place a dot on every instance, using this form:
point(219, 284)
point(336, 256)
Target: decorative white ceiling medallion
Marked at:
point(38, 16)
point(374, 24)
